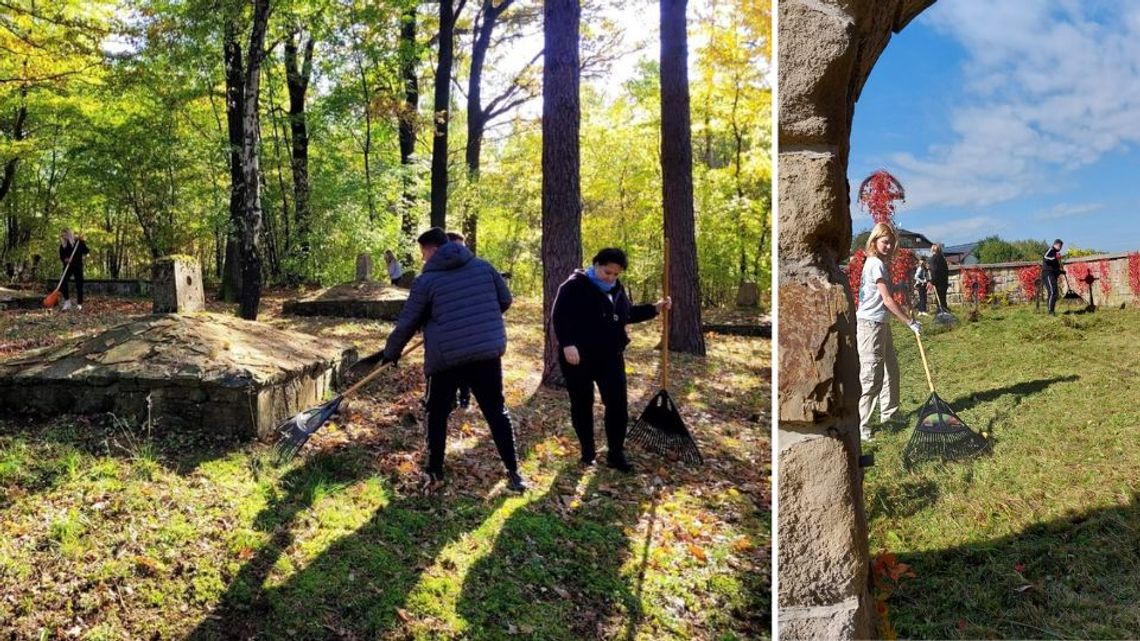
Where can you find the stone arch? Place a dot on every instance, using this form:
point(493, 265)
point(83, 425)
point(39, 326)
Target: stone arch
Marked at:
point(827, 49)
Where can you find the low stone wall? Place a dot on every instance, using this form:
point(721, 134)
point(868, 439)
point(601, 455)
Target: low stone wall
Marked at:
point(1004, 280)
point(107, 287)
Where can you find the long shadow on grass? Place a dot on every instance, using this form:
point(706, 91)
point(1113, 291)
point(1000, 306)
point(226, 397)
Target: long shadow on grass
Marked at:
point(1021, 390)
point(1076, 577)
point(561, 555)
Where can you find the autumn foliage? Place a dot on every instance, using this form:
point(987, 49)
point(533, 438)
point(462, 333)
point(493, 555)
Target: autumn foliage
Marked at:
point(972, 276)
point(1029, 277)
point(1134, 272)
point(877, 196)
point(1103, 274)
point(887, 574)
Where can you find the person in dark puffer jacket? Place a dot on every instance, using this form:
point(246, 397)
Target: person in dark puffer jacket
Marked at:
point(589, 317)
point(459, 302)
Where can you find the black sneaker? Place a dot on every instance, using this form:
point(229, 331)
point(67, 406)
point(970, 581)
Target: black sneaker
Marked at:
point(587, 462)
point(515, 482)
point(618, 462)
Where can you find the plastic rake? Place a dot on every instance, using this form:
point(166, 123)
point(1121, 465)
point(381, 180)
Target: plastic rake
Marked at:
point(939, 433)
point(660, 427)
point(295, 432)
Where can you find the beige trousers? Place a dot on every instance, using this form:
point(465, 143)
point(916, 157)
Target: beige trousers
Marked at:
point(878, 373)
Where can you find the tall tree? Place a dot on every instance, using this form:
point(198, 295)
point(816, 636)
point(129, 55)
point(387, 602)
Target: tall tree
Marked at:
point(478, 116)
point(677, 181)
point(441, 110)
point(409, 58)
point(245, 201)
point(297, 78)
point(561, 161)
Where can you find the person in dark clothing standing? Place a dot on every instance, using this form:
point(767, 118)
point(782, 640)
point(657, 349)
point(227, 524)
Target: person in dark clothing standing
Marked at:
point(939, 276)
point(589, 317)
point(72, 249)
point(1050, 270)
point(459, 302)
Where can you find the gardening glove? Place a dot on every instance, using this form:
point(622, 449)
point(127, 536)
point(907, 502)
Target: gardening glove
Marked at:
point(916, 328)
point(571, 354)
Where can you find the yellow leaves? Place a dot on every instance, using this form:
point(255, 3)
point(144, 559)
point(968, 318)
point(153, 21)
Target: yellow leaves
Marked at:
point(698, 553)
point(742, 545)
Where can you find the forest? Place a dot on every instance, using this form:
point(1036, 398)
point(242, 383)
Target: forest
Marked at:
point(294, 135)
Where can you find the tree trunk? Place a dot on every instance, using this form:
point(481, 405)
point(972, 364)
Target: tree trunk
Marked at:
point(408, 59)
point(441, 114)
point(561, 186)
point(9, 177)
point(297, 80)
point(677, 182)
point(235, 106)
point(251, 170)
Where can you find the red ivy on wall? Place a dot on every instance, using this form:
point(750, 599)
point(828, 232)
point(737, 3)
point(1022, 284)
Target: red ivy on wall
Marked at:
point(855, 272)
point(1134, 272)
point(1076, 273)
point(877, 195)
point(901, 269)
point(1028, 277)
point(1103, 274)
point(973, 275)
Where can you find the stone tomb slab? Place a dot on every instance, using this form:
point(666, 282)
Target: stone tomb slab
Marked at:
point(208, 372)
point(363, 299)
point(17, 299)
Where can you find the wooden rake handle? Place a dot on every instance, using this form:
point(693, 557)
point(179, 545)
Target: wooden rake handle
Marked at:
point(925, 366)
point(379, 369)
point(67, 265)
point(665, 322)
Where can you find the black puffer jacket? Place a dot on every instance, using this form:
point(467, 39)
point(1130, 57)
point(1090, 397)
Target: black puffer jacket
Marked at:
point(459, 302)
point(586, 318)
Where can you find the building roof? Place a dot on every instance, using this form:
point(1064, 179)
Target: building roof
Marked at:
point(912, 239)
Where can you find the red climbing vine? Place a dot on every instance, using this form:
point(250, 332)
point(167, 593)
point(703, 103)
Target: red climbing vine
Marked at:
point(972, 276)
point(1134, 272)
point(1028, 277)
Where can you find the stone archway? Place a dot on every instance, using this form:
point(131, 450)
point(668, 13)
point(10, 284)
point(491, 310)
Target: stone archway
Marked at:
point(827, 49)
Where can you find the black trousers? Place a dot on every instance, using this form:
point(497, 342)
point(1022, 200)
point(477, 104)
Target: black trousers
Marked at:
point(77, 274)
point(1050, 280)
point(921, 306)
point(485, 379)
point(940, 291)
point(609, 375)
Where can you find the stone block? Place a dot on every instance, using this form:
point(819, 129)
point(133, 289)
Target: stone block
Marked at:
point(819, 365)
point(363, 267)
point(814, 218)
point(823, 557)
point(176, 285)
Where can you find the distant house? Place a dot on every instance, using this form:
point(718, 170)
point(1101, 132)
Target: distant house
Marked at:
point(914, 241)
point(961, 254)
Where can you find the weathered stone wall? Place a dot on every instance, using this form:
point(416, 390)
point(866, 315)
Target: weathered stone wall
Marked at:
point(1005, 280)
point(827, 49)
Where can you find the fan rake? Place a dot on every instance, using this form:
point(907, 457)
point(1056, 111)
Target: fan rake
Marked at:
point(296, 431)
point(660, 427)
point(939, 432)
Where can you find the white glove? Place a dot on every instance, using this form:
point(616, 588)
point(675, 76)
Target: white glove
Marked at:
point(916, 328)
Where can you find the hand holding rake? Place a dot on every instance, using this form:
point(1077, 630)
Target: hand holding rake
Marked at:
point(296, 431)
point(53, 298)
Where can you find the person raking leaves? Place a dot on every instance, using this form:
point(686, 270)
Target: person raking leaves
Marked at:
point(459, 302)
point(72, 249)
point(589, 318)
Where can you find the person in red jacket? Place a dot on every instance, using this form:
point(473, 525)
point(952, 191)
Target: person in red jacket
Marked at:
point(589, 317)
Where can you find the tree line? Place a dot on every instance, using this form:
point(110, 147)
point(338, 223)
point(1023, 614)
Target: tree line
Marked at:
point(276, 139)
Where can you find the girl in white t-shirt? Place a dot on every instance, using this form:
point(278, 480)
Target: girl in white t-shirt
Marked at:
point(878, 363)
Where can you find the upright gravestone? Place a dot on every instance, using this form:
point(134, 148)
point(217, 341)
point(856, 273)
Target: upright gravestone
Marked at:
point(363, 267)
point(748, 295)
point(176, 285)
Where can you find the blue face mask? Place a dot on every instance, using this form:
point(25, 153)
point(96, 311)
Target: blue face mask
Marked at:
point(601, 284)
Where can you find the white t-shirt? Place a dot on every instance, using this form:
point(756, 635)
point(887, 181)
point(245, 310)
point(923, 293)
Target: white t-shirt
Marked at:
point(871, 305)
point(394, 270)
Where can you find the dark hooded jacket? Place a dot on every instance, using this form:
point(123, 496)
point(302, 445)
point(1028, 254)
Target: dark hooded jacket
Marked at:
point(586, 318)
point(459, 302)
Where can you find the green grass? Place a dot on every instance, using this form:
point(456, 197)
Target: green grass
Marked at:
point(1039, 540)
point(108, 532)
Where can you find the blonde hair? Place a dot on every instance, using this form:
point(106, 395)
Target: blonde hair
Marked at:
point(880, 230)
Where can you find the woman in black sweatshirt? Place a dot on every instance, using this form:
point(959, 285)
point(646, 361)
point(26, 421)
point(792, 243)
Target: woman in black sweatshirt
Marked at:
point(72, 249)
point(589, 317)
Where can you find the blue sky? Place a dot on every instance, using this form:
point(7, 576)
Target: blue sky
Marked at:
point(1019, 118)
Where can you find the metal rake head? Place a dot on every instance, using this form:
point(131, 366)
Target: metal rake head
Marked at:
point(661, 429)
point(940, 434)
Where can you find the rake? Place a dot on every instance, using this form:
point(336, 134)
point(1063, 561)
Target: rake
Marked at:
point(939, 432)
point(660, 427)
point(296, 431)
point(53, 298)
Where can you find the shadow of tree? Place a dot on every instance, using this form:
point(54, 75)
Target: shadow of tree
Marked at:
point(1073, 577)
point(1027, 388)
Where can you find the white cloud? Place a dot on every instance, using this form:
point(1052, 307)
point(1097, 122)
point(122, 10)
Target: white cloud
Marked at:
point(1051, 86)
point(963, 230)
point(1064, 211)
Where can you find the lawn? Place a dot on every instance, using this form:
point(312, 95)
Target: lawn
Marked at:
point(1041, 539)
point(110, 532)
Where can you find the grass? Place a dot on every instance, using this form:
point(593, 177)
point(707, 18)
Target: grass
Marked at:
point(1038, 540)
point(109, 532)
